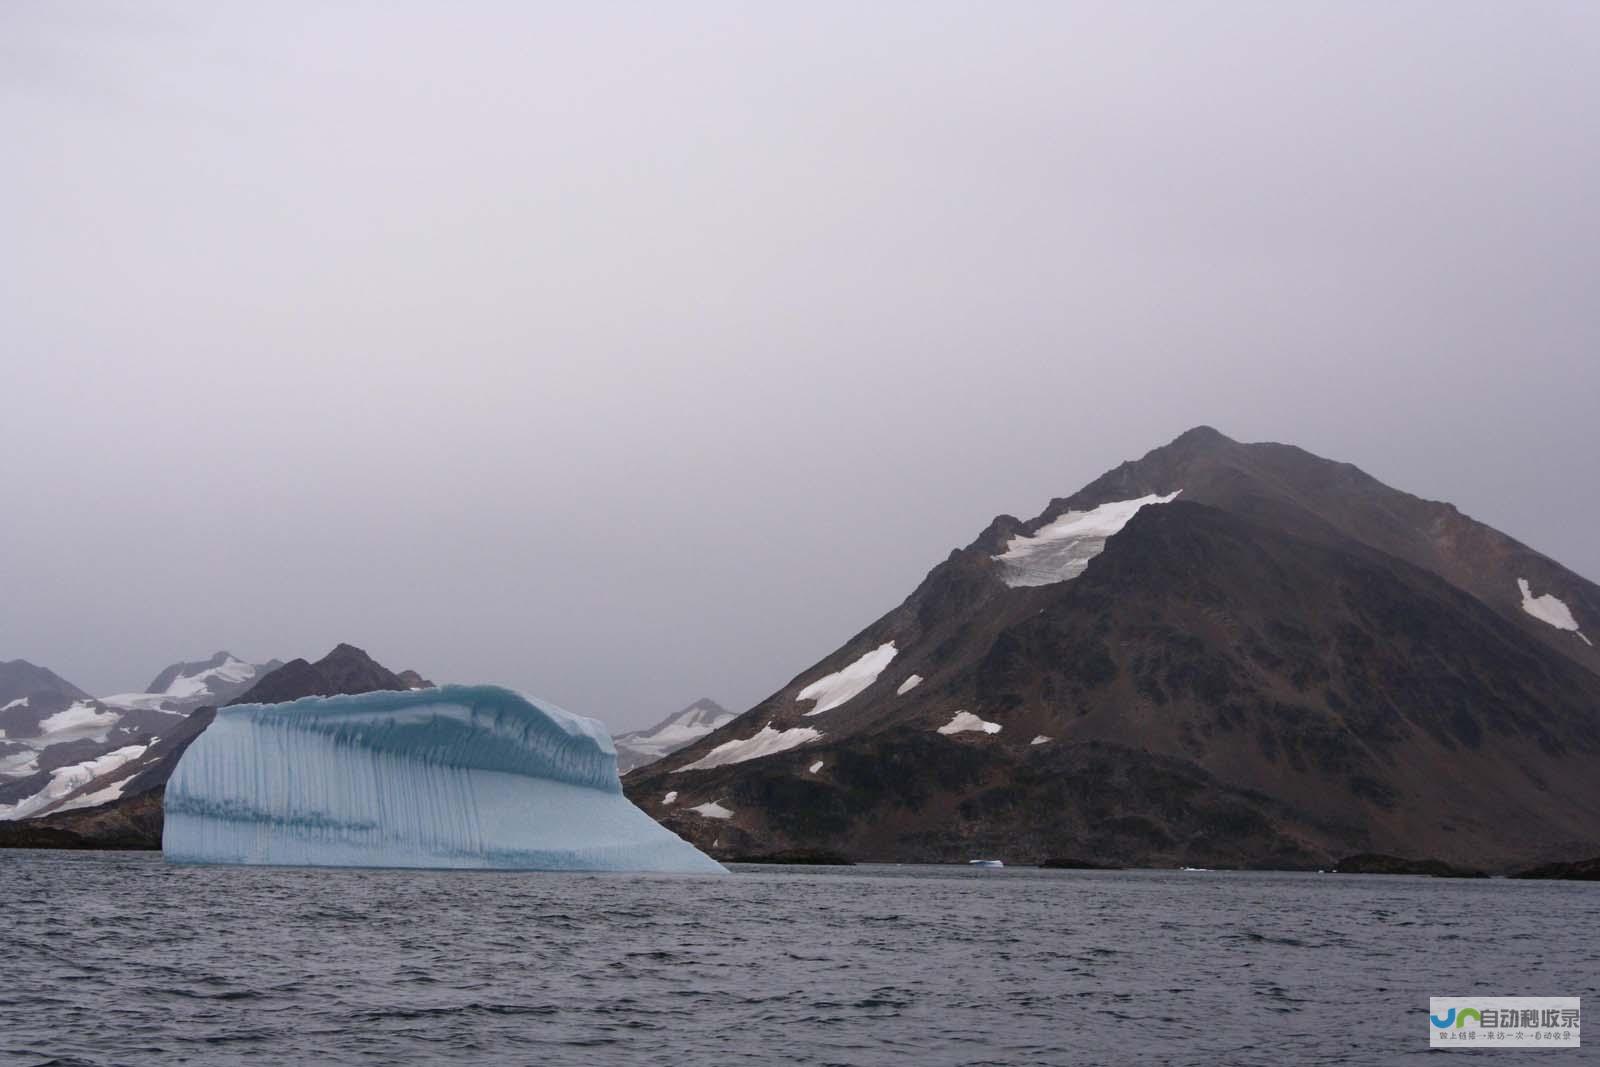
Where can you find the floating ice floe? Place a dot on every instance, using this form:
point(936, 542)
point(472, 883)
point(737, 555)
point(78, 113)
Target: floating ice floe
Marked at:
point(458, 776)
point(965, 721)
point(834, 689)
point(1062, 549)
point(765, 742)
point(1551, 609)
point(908, 685)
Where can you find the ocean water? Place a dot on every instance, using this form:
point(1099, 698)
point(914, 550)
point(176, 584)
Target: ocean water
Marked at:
point(119, 958)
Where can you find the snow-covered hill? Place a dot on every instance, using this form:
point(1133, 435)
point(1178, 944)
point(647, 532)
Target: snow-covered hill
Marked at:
point(61, 749)
point(641, 747)
point(210, 682)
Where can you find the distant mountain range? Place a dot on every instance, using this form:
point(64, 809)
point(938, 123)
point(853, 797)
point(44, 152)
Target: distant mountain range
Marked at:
point(60, 745)
point(1221, 654)
point(94, 773)
point(639, 748)
point(97, 769)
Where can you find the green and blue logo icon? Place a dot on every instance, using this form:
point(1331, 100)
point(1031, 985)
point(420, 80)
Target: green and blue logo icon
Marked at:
point(1452, 1018)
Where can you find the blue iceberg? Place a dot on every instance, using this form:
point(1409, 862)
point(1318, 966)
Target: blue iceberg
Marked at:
point(459, 776)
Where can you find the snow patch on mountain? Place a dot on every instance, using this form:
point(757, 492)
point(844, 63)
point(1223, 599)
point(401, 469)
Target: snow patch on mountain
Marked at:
point(138, 701)
point(1062, 549)
point(965, 722)
point(64, 780)
point(82, 715)
point(1040, 740)
point(231, 671)
point(212, 681)
point(1549, 608)
point(766, 742)
point(712, 810)
point(908, 685)
point(834, 689)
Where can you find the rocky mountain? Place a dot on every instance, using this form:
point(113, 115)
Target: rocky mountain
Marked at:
point(118, 803)
point(21, 683)
point(638, 748)
point(209, 682)
point(1221, 654)
point(347, 669)
point(59, 742)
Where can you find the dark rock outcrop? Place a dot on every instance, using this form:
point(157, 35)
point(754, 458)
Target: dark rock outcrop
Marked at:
point(1578, 871)
point(1375, 863)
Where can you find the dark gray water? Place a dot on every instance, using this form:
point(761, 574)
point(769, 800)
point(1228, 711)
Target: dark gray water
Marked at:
point(117, 958)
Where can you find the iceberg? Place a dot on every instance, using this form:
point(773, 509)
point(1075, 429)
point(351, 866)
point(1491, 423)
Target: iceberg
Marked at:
point(457, 776)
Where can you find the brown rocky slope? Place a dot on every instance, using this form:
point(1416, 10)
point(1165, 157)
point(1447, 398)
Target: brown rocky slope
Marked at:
point(1288, 663)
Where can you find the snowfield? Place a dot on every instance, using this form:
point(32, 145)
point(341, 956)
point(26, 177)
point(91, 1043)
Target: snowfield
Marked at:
point(1549, 608)
point(232, 670)
point(965, 722)
point(79, 716)
point(1061, 550)
point(765, 742)
point(908, 685)
point(63, 780)
point(712, 810)
point(834, 689)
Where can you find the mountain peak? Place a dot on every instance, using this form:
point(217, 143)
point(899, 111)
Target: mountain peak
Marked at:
point(209, 681)
point(346, 669)
point(1237, 652)
point(639, 747)
point(1202, 436)
point(18, 678)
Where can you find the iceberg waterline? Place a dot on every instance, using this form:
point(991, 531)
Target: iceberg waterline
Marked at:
point(459, 776)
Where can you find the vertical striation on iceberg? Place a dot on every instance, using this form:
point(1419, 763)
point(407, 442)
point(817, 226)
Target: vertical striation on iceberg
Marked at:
point(458, 776)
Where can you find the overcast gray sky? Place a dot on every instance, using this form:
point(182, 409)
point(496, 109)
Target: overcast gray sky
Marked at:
point(628, 353)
